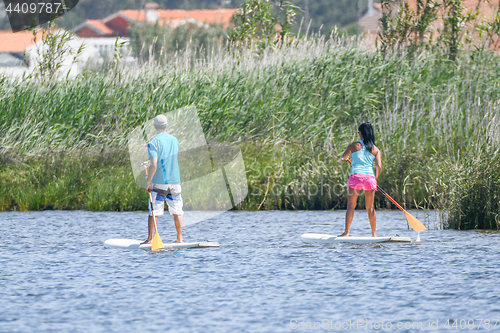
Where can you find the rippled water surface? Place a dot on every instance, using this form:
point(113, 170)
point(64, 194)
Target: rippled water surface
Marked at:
point(56, 276)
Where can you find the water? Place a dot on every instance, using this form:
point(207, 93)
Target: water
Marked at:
point(56, 276)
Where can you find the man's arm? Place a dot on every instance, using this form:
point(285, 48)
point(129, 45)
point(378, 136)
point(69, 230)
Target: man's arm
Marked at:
point(151, 172)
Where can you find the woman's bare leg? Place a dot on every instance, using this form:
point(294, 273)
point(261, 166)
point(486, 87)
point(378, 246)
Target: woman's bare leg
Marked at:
point(370, 208)
point(352, 196)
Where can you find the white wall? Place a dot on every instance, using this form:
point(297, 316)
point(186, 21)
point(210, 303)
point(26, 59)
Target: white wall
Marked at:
point(95, 49)
point(13, 71)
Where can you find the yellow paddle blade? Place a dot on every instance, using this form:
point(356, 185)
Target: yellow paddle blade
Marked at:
point(412, 221)
point(157, 244)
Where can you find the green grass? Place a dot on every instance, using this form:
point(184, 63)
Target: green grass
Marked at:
point(89, 181)
point(292, 110)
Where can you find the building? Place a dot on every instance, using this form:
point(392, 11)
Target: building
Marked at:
point(118, 24)
point(20, 52)
point(12, 49)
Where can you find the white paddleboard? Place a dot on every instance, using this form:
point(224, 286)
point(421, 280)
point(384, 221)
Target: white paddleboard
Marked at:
point(135, 244)
point(330, 239)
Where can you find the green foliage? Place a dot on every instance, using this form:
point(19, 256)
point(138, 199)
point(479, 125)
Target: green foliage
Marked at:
point(474, 200)
point(198, 36)
point(324, 14)
point(52, 53)
point(350, 30)
point(407, 29)
point(64, 180)
point(489, 32)
point(152, 41)
point(264, 22)
point(456, 23)
point(412, 30)
point(292, 112)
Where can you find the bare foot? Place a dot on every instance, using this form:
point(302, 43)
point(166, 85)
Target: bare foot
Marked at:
point(147, 241)
point(179, 240)
point(345, 234)
point(374, 235)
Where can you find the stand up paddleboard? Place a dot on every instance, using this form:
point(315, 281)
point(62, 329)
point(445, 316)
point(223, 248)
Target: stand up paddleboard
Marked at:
point(330, 239)
point(135, 244)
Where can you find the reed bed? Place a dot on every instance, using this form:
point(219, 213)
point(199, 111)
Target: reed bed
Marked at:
point(292, 109)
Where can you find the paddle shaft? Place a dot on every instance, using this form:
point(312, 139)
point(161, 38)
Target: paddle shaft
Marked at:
point(150, 200)
point(412, 221)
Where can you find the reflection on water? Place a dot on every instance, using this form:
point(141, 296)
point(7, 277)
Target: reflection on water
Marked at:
point(57, 276)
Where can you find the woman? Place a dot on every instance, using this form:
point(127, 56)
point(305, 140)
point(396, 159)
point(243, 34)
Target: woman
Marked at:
point(362, 177)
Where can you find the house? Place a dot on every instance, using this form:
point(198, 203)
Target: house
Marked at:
point(20, 52)
point(12, 49)
point(118, 24)
point(94, 50)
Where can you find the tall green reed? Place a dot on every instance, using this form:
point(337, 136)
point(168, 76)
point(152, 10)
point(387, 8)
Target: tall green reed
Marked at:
point(292, 108)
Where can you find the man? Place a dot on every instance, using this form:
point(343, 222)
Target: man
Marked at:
point(164, 180)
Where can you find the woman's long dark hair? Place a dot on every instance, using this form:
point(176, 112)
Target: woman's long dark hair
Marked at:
point(366, 131)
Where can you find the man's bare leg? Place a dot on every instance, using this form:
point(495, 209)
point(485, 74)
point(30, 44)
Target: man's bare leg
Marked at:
point(151, 229)
point(352, 195)
point(370, 208)
point(178, 226)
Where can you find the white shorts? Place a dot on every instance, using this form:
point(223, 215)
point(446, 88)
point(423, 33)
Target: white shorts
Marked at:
point(170, 193)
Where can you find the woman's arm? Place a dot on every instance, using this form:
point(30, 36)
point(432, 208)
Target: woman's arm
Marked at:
point(347, 152)
point(378, 164)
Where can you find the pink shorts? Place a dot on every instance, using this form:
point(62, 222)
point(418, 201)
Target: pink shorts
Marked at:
point(362, 182)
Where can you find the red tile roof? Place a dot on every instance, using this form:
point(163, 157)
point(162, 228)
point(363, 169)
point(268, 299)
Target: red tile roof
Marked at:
point(16, 42)
point(118, 23)
point(97, 24)
point(166, 16)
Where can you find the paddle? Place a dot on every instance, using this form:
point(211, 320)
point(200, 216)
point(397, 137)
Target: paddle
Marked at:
point(412, 220)
point(157, 243)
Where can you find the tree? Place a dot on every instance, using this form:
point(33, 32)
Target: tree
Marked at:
point(153, 41)
point(52, 53)
point(264, 22)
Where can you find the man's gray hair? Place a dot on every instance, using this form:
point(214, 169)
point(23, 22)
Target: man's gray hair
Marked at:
point(160, 122)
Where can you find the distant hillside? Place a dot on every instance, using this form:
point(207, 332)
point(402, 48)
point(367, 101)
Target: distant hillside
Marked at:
point(4, 21)
point(328, 13)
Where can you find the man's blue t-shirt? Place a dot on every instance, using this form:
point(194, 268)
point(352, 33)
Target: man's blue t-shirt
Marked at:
point(165, 148)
